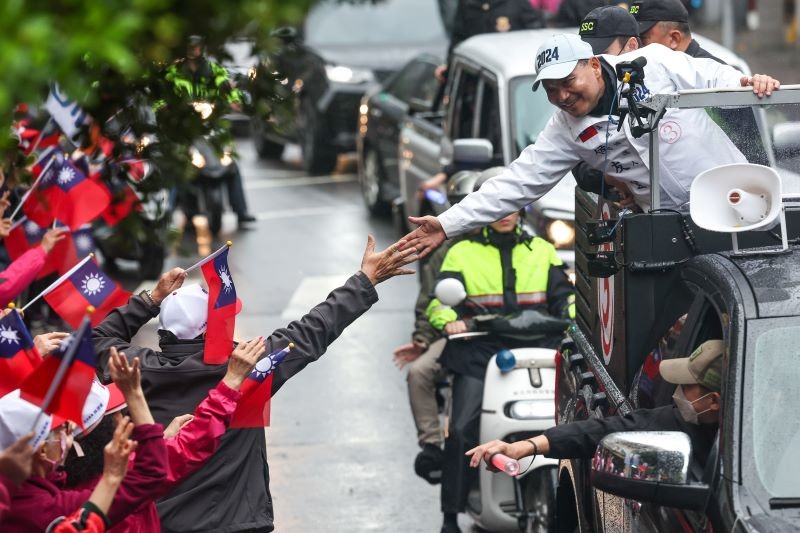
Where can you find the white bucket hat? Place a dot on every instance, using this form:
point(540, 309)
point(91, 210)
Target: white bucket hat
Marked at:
point(16, 419)
point(184, 312)
point(102, 400)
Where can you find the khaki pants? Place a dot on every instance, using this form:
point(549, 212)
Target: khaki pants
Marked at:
point(423, 374)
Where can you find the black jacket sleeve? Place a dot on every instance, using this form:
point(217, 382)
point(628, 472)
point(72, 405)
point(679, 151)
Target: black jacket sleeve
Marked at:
point(578, 440)
point(560, 292)
point(313, 333)
point(118, 328)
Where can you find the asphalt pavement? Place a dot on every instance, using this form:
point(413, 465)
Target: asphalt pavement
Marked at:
point(342, 442)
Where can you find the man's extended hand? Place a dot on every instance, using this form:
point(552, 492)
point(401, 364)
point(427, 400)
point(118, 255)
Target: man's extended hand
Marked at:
point(762, 84)
point(426, 238)
point(380, 266)
point(407, 353)
point(168, 282)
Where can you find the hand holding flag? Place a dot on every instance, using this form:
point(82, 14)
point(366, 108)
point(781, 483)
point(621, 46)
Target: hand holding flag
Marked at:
point(253, 408)
point(242, 361)
point(18, 354)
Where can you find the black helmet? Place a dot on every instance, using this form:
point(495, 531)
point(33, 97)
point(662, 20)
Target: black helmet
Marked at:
point(194, 41)
point(461, 184)
point(488, 174)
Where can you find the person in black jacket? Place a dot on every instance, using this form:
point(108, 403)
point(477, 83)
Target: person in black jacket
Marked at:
point(231, 492)
point(695, 411)
point(474, 17)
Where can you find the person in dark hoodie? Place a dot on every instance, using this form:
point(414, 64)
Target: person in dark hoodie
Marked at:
point(231, 492)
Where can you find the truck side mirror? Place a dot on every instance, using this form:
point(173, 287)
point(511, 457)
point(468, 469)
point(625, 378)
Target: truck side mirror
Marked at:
point(648, 466)
point(786, 139)
point(450, 291)
point(472, 152)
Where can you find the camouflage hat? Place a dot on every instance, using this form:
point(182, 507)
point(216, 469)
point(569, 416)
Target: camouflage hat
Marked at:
point(703, 367)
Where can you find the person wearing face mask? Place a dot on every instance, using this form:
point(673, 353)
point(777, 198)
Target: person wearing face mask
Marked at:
point(586, 127)
point(695, 411)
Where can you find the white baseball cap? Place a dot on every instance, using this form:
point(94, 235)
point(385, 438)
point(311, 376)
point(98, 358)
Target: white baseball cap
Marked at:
point(184, 312)
point(16, 419)
point(102, 400)
point(559, 55)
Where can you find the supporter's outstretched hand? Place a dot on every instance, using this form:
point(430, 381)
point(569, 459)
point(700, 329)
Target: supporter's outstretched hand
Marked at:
point(427, 237)
point(242, 360)
point(16, 461)
point(51, 238)
point(407, 353)
point(175, 426)
point(128, 378)
point(380, 266)
point(168, 282)
point(5, 227)
point(47, 343)
point(116, 456)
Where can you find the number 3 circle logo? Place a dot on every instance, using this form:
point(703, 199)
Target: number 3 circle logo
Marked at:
point(670, 131)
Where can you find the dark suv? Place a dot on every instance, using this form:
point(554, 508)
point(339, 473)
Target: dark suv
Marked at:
point(340, 51)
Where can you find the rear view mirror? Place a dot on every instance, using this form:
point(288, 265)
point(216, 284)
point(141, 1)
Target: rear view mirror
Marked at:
point(450, 291)
point(786, 139)
point(648, 466)
point(472, 152)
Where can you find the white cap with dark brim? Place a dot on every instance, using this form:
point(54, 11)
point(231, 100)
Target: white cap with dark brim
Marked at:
point(558, 56)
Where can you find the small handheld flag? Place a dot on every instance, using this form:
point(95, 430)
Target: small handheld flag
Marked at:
point(253, 408)
point(18, 354)
point(62, 382)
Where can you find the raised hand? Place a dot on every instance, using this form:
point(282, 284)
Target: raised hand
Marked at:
point(242, 360)
point(168, 282)
point(427, 237)
point(117, 452)
point(51, 238)
point(128, 378)
point(380, 266)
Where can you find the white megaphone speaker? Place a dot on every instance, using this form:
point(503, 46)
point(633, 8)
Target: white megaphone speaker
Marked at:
point(738, 197)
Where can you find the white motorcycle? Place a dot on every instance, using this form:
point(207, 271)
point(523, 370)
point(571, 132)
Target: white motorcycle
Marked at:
point(518, 403)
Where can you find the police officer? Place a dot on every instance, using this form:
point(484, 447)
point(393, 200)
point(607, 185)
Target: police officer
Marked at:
point(667, 22)
point(504, 269)
point(584, 128)
point(474, 17)
point(695, 411)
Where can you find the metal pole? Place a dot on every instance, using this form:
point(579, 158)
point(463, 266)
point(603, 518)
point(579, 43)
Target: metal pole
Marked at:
point(728, 24)
point(655, 172)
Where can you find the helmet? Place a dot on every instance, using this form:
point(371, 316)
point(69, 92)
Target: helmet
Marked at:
point(488, 174)
point(461, 184)
point(195, 41)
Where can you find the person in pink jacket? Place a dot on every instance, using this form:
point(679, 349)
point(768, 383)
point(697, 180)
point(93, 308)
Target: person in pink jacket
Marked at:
point(190, 439)
point(43, 498)
point(22, 271)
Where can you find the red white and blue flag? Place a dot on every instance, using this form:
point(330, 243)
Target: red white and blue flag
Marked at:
point(63, 394)
point(24, 235)
point(81, 287)
point(18, 354)
point(222, 307)
point(253, 410)
point(82, 199)
point(76, 245)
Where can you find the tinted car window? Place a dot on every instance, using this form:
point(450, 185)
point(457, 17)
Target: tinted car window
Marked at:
point(331, 22)
point(416, 81)
point(464, 105)
point(489, 122)
point(530, 111)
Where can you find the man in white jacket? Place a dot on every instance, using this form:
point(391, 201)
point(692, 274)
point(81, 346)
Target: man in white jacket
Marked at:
point(584, 128)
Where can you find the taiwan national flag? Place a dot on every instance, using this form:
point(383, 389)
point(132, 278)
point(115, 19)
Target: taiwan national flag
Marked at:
point(41, 204)
point(69, 251)
point(88, 285)
point(123, 202)
point(18, 355)
point(70, 392)
point(222, 308)
point(83, 199)
point(252, 411)
point(24, 235)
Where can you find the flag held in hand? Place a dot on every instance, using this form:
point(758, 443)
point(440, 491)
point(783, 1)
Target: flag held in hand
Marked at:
point(253, 410)
point(62, 382)
point(18, 354)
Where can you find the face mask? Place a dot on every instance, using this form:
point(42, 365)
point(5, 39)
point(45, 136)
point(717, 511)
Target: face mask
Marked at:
point(686, 408)
point(55, 463)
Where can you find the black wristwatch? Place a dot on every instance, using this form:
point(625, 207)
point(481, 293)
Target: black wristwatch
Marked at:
point(147, 296)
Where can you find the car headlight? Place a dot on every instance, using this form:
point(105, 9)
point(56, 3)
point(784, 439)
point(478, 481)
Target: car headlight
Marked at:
point(561, 233)
point(197, 158)
point(531, 409)
point(342, 74)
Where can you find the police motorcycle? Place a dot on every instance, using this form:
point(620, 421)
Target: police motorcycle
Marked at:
point(654, 285)
point(518, 403)
point(213, 165)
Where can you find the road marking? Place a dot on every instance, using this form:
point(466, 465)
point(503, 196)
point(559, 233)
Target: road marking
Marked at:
point(301, 182)
point(311, 291)
point(307, 211)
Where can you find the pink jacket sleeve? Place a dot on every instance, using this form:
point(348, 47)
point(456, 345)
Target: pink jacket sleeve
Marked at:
point(20, 274)
point(7, 488)
point(198, 439)
point(145, 477)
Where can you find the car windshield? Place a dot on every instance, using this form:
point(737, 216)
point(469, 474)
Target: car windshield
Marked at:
point(775, 404)
point(333, 22)
point(530, 111)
